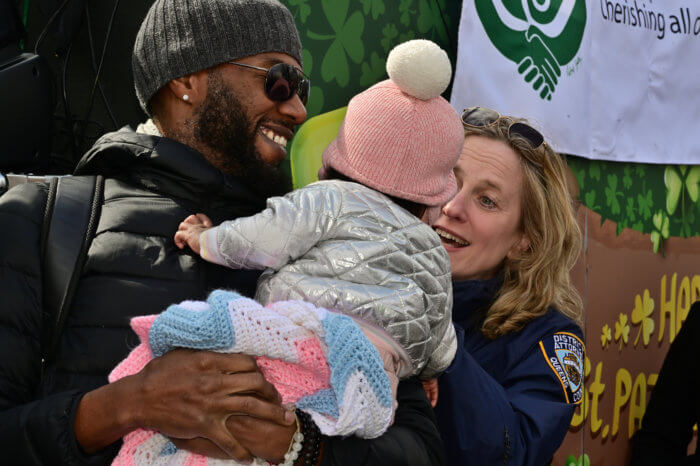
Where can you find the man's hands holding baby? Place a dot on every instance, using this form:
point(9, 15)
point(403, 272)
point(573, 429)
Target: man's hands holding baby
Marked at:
point(221, 402)
point(189, 230)
point(253, 423)
point(211, 403)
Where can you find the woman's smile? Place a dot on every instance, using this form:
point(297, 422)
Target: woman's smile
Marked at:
point(451, 240)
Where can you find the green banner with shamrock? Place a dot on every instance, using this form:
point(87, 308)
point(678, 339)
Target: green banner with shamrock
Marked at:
point(660, 200)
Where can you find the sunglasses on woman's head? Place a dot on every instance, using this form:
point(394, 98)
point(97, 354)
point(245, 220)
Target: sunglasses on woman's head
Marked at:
point(282, 81)
point(478, 117)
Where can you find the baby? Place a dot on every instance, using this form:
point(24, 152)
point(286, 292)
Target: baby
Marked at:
point(355, 243)
point(353, 248)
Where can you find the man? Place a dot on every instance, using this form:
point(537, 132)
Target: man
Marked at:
point(217, 135)
point(674, 407)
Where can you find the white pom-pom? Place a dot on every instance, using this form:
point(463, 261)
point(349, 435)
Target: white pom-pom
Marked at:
point(420, 68)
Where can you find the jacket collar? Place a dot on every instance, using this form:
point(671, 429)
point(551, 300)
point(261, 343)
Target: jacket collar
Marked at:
point(168, 167)
point(472, 298)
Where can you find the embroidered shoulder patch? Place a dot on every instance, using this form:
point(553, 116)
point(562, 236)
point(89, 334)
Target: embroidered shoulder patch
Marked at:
point(564, 353)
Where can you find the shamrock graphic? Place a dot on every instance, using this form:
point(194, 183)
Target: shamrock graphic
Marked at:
point(660, 221)
point(582, 460)
point(315, 104)
point(303, 8)
point(430, 20)
point(377, 7)
point(627, 179)
point(675, 180)
point(580, 174)
point(347, 41)
point(630, 210)
point(406, 36)
point(606, 336)
point(674, 185)
point(645, 204)
point(405, 10)
point(373, 71)
point(643, 308)
point(425, 17)
point(589, 200)
point(389, 33)
point(611, 194)
point(622, 330)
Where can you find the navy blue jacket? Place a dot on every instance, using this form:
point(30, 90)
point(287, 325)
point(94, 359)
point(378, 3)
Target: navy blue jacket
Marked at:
point(508, 400)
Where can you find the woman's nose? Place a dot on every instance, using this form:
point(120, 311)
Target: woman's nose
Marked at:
point(455, 207)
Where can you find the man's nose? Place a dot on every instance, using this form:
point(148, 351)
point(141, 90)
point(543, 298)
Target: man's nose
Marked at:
point(293, 109)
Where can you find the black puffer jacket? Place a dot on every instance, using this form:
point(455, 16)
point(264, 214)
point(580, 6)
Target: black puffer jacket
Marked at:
point(133, 268)
point(674, 407)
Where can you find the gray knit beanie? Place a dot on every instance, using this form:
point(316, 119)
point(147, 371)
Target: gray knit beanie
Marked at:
point(180, 37)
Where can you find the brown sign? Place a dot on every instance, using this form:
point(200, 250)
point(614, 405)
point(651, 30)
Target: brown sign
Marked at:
point(635, 304)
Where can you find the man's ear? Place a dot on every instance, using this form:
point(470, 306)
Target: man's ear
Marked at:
point(522, 245)
point(190, 89)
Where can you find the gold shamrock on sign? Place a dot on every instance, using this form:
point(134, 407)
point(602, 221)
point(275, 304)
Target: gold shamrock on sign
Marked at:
point(622, 330)
point(641, 314)
point(606, 336)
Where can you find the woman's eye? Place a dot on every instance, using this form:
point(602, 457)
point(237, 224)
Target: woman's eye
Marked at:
point(487, 202)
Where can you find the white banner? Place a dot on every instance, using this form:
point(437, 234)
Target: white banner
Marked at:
point(615, 80)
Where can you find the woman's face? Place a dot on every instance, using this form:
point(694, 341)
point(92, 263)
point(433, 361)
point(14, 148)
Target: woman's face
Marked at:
point(481, 226)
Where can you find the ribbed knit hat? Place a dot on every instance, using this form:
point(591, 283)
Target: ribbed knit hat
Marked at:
point(179, 37)
point(399, 136)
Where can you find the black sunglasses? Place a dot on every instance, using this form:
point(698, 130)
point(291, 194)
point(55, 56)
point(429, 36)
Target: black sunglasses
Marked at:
point(478, 117)
point(282, 81)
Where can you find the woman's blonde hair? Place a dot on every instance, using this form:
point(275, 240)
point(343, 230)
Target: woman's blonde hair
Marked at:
point(540, 276)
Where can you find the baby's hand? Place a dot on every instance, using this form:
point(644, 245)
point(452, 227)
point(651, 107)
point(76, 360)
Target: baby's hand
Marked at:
point(431, 389)
point(189, 230)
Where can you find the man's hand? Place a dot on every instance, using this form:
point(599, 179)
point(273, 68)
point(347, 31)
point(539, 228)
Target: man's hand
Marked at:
point(189, 230)
point(188, 394)
point(184, 394)
point(262, 438)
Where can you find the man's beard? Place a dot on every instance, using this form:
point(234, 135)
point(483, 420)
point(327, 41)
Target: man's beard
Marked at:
point(222, 125)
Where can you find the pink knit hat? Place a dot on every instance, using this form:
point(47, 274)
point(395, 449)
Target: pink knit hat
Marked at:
point(399, 136)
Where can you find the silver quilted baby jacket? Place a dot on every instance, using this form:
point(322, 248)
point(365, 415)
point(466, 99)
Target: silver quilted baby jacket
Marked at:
point(345, 247)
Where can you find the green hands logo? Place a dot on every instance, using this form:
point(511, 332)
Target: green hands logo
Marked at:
point(540, 36)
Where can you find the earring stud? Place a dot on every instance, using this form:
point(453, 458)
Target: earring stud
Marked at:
point(185, 97)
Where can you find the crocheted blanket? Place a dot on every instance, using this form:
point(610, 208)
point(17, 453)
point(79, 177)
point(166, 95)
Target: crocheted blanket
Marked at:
point(319, 360)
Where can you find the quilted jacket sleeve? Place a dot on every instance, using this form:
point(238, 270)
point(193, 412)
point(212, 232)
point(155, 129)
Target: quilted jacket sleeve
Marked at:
point(413, 439)
point(32, 432)
point(444, 352)
point(284, 231)
point(443, 333)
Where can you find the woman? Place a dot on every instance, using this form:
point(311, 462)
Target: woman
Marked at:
point(512, 238)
